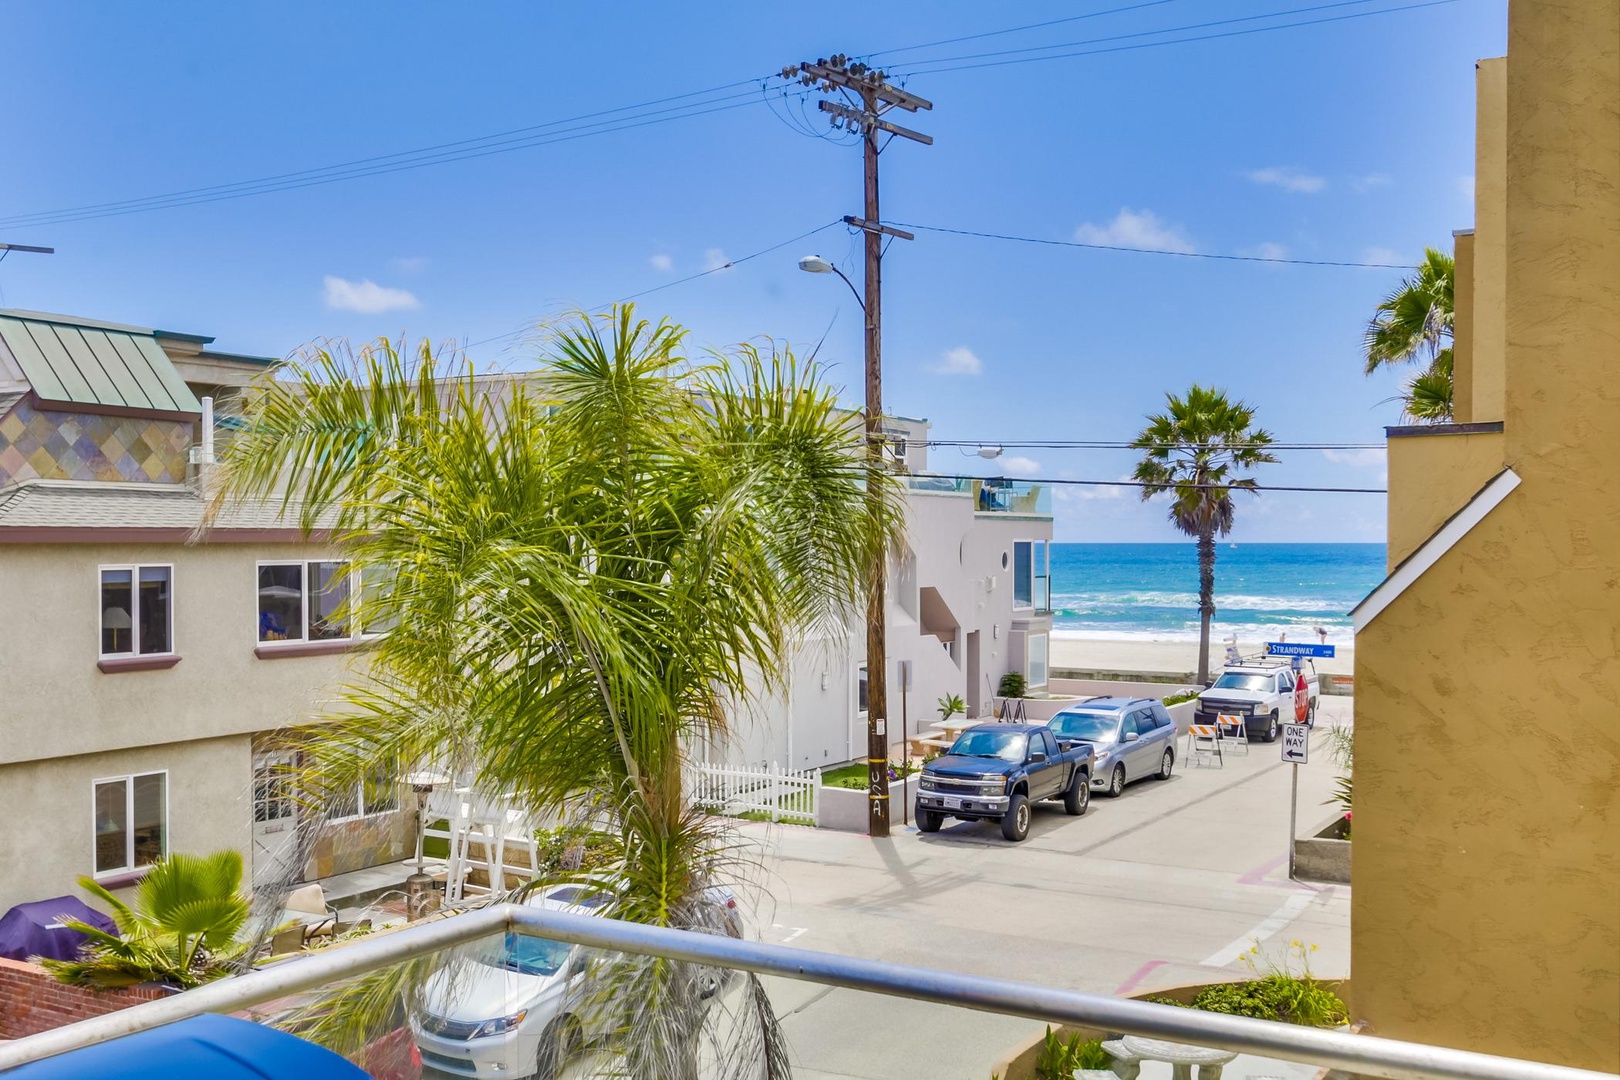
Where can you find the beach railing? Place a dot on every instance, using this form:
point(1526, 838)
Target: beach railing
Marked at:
point(770, 791)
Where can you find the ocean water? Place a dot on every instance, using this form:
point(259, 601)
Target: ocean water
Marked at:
point(1150, 591)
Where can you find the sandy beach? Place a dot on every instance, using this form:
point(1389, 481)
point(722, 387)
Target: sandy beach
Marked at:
point(1170, 657)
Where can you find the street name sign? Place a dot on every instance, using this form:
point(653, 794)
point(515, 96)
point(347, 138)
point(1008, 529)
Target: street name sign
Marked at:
point(1296, 743)
point(1300, 648)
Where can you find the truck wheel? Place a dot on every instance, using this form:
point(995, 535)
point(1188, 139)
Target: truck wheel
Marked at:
point(1271, 727)
point(1310, 717)
point(1015, 825)
point(1166, 763)
point(929, 820)
point(1078, 797)
point(1116, 783)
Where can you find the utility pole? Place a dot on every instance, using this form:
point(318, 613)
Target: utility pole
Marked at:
point(867, 95)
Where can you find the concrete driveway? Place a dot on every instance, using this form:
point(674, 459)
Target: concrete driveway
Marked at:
point(1165, 886)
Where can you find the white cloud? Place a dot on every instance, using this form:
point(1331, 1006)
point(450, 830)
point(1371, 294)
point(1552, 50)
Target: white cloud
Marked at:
point(662, 263)
point(1363, 184)
point(715, 259)
point(409, 264)
point(1289, 179)
point(959, 361)
point(1020, 466)
point(1136, 229)
point(366, 297)
point(1092, 493)
point(1360, 459)
point(1268, 250)
point(1465, 187)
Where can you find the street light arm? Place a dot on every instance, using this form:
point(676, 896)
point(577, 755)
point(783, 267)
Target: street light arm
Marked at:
point(852, 287)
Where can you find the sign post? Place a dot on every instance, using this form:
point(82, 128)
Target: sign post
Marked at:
point(1296, 749)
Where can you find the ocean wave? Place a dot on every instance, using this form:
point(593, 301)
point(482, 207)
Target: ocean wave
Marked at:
point(1189, 600)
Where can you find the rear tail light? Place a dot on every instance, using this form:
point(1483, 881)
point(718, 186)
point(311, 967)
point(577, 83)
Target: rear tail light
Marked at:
point(731, 903)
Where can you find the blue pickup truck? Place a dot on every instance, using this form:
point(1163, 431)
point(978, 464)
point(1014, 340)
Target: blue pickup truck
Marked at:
point(993, 772)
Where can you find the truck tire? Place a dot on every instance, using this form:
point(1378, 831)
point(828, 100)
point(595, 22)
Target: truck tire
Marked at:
point(1078, 797)
point(1116, 782)
point(1310, 717)
point(1015, 824)
point(1166, 763)
point(929, 820)
point(1272, 728)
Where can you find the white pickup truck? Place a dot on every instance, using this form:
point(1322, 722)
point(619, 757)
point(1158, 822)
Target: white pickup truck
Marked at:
point(1264, 692)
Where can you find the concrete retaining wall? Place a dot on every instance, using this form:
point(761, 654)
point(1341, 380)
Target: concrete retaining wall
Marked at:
point(1324, 856)
point(844, 809)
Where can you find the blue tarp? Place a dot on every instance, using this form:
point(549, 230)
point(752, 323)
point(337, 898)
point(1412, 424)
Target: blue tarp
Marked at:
point(29, 930)
point(216, 1047)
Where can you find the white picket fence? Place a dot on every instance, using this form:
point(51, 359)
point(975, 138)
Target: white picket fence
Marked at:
point(782, 794)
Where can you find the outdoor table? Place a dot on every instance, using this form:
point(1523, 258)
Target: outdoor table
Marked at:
point(1181, 1057)
point(959, 724)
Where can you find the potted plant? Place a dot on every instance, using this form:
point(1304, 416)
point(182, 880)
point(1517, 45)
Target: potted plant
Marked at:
point(950, 705)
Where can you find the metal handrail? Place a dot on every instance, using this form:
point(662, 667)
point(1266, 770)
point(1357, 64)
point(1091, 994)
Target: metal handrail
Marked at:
point(1366, 1055)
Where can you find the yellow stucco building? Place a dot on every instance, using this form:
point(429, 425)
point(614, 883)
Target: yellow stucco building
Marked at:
point(1486, 874)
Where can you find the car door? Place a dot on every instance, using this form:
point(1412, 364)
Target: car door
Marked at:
point(1132, 756)
point(1041, 764)
point(1164, 732)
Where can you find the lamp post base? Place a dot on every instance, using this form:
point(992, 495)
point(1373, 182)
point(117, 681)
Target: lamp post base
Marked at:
point(421, 897)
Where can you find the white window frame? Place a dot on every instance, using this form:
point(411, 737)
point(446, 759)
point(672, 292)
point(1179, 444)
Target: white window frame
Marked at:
point(360, 802)
point(267, 762)
point(355, 620)
point(1029, 651)
point(135, 609)
point(128, 780)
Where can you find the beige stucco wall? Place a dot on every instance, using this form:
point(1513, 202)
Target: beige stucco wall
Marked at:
point(1486, 899)
point(1462, 375)
point(49, 839)
point(1431, 476)
point(1486, 386)
point(54, 701)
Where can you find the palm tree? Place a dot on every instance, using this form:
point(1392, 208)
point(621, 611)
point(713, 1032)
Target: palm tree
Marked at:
point(1193, 451)
point(586, 566)
point(1414, 323)
point(181, 928)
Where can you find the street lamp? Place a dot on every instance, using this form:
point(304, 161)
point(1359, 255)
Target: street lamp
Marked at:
point(815, 264)
point(877, 702)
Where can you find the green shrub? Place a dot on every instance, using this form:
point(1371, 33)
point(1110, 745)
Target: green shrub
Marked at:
point(1012, 685)
point(1091, 1055)
point(1059, 1058)
point(950, 705)
point(1177, 699)
point(1278, 993)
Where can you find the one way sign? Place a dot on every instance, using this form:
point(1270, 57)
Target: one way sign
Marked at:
point(1296, 743)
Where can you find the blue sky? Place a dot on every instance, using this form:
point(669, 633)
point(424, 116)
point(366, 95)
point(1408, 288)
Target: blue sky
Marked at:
point(1346, 140)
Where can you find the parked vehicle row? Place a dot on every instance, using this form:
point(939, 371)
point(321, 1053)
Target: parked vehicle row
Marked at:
point(998, 772)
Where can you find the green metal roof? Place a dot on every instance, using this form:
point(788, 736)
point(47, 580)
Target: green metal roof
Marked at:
point(84, 362)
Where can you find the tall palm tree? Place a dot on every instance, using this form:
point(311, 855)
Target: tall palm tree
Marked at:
point(587, 565)
point(1193, 452)
point(1414, 324)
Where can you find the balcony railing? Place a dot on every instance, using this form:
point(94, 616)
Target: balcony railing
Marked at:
point(991, 496)
point(1363, 1055)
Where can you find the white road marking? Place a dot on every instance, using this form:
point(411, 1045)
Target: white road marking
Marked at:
point(1273, 923)
point(797, 930)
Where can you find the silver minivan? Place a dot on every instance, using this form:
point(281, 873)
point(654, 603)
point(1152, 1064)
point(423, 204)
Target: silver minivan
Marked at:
point(1131, 737)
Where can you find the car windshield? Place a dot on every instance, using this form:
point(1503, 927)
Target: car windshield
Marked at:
point(1231, 680)
point(1089, 726)
point(1007, 745)
point(528, 955)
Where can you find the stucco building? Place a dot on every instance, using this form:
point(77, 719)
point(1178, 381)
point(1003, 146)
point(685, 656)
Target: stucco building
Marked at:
point(1486, 903)
point(149, 674)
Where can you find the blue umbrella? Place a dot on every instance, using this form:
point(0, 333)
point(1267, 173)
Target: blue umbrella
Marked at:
point(217, 1047)
point(35, 929)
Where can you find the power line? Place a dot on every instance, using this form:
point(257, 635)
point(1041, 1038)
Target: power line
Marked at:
point(1143, 484)
point(923, 67)
point(1158, 251)
point(1016, 29)
point(1100, 444)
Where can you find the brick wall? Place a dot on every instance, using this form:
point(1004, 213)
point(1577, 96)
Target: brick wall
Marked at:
point(31, 1001)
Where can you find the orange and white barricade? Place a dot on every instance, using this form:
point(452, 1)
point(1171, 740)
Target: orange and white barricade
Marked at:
point(1234, 732)
point(1204, 744)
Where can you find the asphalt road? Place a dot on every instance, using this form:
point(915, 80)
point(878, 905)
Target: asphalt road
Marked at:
point(1165, 886)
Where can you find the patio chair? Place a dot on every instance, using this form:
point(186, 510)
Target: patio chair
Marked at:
point(307, 906)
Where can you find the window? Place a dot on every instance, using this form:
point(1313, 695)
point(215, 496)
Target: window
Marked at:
point(1131, 727)
point(1036, 675)
point(137, 608)
point(378, 793)
point(1023, 583)
point(862, 692)
point(303, 601)
point(131, 821)
point(1043, 576)
point(273, 789)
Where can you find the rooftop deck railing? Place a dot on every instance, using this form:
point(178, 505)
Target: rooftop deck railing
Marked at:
point(991, 495)
point(1359, 1054)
